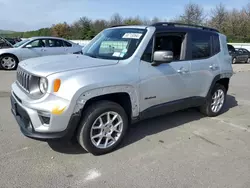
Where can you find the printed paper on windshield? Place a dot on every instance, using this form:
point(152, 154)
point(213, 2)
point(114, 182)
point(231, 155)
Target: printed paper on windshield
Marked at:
point(132, 35)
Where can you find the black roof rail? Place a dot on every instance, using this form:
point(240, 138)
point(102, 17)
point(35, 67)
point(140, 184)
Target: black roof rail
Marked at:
point(174, 24)
point(118, 25)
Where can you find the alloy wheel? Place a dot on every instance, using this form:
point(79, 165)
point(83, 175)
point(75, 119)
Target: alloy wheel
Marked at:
point(8, 63)
point(217, 100)
point(106, 130)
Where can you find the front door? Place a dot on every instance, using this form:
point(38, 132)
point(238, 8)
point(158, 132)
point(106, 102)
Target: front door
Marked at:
point(167, 82)
point(35, 48)
point(246, 55)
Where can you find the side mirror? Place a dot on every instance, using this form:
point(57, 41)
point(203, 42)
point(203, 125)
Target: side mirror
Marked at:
point(162, 57)
point(29, 46)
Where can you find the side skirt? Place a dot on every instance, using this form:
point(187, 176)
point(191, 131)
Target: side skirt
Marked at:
point(169, 107)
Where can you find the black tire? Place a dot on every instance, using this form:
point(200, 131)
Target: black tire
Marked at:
point(9, 56)
point(234, 60)
point(89, 117)
point(248, 60)
point(206, 108)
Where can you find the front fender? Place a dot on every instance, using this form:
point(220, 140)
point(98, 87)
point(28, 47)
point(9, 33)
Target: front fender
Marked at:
point(81, 97)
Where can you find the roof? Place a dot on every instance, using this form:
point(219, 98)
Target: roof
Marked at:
point(48, 37)
point(129, 26)
point(171, 26)
point(181, 26)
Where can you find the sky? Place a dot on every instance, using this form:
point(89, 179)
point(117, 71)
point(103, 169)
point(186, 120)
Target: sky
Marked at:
point(23, 15)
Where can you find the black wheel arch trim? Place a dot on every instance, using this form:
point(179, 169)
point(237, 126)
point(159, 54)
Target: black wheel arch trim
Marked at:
point(216, 79)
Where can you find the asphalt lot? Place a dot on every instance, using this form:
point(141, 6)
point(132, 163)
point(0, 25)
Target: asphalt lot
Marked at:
point(182, 149)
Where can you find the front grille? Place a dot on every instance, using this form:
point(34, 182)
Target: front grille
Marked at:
point(24, 79)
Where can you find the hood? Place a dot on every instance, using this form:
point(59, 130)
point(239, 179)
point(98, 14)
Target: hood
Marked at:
point(6, 50)
point(47, 65)
point(7, 42)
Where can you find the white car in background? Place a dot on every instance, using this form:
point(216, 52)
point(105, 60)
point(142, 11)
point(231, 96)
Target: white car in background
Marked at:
point(36, 47)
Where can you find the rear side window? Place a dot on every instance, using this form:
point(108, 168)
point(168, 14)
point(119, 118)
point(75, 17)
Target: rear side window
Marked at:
point(216, 44)
point(201, 46)
point(55, 43)
point(67, 44)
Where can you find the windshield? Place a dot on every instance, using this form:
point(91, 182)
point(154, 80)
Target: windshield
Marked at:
point(20, 43)
point(115, 43)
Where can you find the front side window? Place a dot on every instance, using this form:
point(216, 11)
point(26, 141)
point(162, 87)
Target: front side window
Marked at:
point(201, 46)
point(169, 41)
point(115, 43)
point(245, 51)
point(18, 44)
point(38, 43)
point(231, 48)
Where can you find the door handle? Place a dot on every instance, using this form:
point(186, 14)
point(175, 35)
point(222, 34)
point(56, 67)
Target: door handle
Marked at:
point(213, 67)
point(182, 70)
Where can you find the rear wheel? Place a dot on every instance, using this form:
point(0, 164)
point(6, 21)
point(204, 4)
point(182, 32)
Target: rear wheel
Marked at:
point(103, 127)
point(215, 101)
point(8, 62)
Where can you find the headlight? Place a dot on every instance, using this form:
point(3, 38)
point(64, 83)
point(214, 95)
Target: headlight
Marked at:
point(43, 85)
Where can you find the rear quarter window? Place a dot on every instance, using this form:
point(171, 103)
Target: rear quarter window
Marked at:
point(216, 44)
point(67, 44)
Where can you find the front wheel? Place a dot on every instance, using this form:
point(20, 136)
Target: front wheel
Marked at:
point(248, 60)
point(8, 62)
point(103, 127)
point(215, 101)
point(234, 60)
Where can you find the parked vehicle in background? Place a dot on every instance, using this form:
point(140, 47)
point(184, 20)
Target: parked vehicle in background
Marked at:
point(237, 56)
point(13, 40)
point(4, 43)
point(244, 55)
point(35, 47)
point(125, 74)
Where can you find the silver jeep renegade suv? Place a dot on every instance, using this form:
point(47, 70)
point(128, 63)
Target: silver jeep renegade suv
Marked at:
point(125, 74)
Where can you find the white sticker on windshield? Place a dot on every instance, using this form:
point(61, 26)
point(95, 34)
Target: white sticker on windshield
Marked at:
point(122, 54)
point(124, 50)
point(116, 54)
point(132, 35)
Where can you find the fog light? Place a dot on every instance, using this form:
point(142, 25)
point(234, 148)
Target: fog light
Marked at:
point(44, 117)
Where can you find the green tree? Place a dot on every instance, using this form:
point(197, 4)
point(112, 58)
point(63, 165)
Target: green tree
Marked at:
point(219, 17)
point(193, 14)
point(61, 30)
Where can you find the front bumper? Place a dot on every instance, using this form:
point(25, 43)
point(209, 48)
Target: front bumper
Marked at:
point(24, 117)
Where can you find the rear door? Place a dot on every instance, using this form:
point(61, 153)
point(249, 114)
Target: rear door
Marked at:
point(55, 47)
point(70, 48)
point(205, 63)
